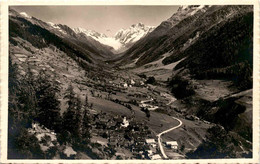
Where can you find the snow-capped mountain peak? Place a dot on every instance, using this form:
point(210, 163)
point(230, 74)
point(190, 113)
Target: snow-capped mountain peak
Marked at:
point(138, 25)
point(191, 9)
point(134, 33)
point(122, 39)
point(91, 33)
point(187, 7)
point(57, 27)
point(182, 13)
point(100, 37)
point(24, 14)
point(52, 24)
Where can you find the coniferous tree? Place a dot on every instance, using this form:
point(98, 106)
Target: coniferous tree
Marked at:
point(21, 111)
point(79, 118)
point(48, 103)
point(75, 122)
point(68, 121)
point(69, 116)
point(86, 120)
point(72, 118)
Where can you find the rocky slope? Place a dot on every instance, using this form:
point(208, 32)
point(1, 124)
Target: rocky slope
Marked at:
point(181, 30)
point(86, 45)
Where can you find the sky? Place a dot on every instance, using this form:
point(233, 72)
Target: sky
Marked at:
point(103, 19)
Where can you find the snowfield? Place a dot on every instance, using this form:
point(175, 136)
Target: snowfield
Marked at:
point(122, 38)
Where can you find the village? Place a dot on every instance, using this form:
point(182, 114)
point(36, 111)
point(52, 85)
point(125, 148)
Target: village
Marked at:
point(126, 137)
point(117, 138)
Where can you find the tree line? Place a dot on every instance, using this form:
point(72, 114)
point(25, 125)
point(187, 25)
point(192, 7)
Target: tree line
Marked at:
point(33, 99)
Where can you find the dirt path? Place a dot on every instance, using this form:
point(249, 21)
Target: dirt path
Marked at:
point(166, 131)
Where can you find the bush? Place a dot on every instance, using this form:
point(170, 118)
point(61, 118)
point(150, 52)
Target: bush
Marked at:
point(219, 143)
point(180, 87)
point(151, 80)
point(26, 146)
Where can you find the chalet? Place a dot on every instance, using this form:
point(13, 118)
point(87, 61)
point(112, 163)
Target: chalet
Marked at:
point(153, 145)
point(125, 85)
point(33, 59)
point(132, 82)
point(69, 151)
point(172, 144)
point(125, 123)
point(92, 111)
point(120, 154)
point(156, 157)
point(34, 71)
point(102, 143)
point(52, 69)
point(22, 59)
point(22, 72)
point(41, 65)
point(150, 141)
point(20, 55)
point(99, 140)
point(58, 81)
point(150, 152)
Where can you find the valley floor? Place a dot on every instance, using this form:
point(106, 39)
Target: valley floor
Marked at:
point(120, 98)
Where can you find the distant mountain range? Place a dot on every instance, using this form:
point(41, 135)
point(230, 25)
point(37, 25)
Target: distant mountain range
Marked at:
point(122, 40)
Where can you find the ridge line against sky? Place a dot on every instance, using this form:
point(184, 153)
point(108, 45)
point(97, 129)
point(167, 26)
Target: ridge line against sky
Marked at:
point(102, 19)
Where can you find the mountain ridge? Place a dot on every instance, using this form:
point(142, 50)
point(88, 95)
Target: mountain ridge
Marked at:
point(122, 40)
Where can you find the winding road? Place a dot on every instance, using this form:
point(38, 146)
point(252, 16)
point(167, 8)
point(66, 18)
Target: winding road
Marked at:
point(166, 131)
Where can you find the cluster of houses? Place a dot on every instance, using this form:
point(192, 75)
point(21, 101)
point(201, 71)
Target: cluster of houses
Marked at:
point(126, 83)
point(152, 151)
point(120, 132)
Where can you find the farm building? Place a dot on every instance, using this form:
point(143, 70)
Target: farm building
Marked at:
point(33, 59)
point(150, 152)
point(69, 151)
point(150, 141)
point(125, 123)
point(172, 144)
point(132, 82)
point(156, 157)
point(125, 85)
